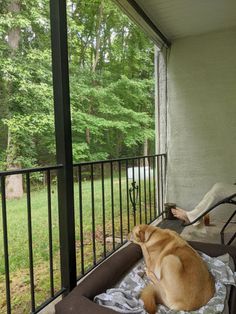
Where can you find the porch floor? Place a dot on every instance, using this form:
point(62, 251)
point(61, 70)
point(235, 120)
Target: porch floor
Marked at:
point(211, 234)
point(175, 225)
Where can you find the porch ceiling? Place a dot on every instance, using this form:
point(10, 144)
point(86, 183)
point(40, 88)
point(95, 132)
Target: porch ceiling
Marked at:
point(182, 18)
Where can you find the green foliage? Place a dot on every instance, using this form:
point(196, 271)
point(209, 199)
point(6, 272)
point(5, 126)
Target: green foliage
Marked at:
point(111, 85)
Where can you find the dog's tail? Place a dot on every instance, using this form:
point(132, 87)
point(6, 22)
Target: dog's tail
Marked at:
point(149, 298)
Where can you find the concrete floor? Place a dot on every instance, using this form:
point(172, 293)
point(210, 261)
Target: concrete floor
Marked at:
point(50, 309)
point(210, 234)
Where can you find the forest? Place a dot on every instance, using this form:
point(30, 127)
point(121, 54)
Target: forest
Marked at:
point(111, 83)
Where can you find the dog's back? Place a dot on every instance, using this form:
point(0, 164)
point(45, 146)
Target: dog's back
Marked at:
point(187, 283)
point(183, 281)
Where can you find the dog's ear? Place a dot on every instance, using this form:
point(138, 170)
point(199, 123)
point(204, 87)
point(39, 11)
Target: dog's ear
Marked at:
point(142, 235)
point(148, 233)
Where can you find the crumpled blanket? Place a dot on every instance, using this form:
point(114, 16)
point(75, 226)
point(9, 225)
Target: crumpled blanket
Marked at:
point(124, 298)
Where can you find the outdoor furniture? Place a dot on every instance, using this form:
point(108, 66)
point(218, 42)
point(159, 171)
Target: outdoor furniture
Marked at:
point(107, 274)
point(228, 200)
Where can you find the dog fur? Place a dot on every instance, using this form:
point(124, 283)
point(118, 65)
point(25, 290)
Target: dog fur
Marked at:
point(180, 278)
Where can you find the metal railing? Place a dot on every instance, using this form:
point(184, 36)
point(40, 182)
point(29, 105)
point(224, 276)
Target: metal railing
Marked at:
point(110, 197)
point(26, 176)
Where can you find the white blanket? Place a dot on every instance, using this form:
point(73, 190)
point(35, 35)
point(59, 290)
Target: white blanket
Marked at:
point(124, 298)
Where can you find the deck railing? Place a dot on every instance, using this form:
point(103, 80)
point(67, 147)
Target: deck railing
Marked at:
point(110, 197)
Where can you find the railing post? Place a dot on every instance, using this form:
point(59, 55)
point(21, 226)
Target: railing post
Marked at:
point(63, 142)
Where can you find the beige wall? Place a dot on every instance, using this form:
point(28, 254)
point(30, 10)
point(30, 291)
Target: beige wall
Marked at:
point(201, 119)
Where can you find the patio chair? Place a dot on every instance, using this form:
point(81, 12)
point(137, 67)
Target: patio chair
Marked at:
point(228, 200)
point(107, 274)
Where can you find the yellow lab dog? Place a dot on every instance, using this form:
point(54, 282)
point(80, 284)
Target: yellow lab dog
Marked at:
point(180, 278)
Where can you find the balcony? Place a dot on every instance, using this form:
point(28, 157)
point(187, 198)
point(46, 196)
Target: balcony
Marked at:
point(110, 198)
point(90, 207)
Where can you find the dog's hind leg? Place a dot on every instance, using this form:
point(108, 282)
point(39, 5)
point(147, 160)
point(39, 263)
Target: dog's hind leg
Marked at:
point(171, 265)
point(151, 297)
point(148, 296)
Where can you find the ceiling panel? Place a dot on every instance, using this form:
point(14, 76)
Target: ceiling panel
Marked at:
point(181, 18)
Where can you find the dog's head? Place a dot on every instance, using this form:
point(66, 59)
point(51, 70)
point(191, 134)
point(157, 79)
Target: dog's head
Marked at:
point(141, 233)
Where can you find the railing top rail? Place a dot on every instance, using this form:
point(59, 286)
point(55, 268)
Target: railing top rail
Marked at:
point(55, 167)
point(29, 170)
point(115, 160)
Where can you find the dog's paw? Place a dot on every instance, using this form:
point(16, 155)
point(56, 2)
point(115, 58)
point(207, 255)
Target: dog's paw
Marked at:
point(149, 273)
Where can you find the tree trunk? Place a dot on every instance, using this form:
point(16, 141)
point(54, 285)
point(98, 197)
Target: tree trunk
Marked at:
point(14, 183)
point(87, 135)
point(145, 151)
point(96, 58)
point(98, 37)
point(145, 147)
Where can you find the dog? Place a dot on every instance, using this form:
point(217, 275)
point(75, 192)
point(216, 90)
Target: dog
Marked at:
point(179, 277)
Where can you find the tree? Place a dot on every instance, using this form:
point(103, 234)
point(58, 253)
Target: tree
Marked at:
point(111, 85)
point(28, 88)
point(14, 183)
point(113, 51)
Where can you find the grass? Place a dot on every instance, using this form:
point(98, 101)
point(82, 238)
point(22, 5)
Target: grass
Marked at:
point(18, 237)
point(19, 251)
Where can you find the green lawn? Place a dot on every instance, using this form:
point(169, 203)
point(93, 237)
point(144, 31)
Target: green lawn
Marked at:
point(18, 237)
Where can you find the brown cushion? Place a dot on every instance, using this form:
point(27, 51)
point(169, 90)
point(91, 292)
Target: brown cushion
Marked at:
point(106, 275)
point(217, 250)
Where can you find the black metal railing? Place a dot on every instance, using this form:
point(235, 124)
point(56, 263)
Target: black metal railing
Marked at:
point(122, 193)
point(30, 238)
point(110, 197)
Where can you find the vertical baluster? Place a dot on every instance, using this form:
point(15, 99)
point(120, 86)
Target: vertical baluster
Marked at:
point(50, 232)
point(127, 193)
point(149, 189)
point(164, 178)
point(112, 206)
point(5, 243)
point(93, 216)
point(145, 194)
point(154, 186)
point(134, 198)
point(103, 211)
point(30, 240)
point(158, 186)
point(120, 196)
point(81, 219)
point(162, 184)
point(139, 192)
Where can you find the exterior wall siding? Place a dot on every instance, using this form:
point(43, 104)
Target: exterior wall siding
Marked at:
point(201, 136)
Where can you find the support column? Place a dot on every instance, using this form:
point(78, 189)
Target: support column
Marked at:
point(63, 142)
point(161, 124)
point(161, 99)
